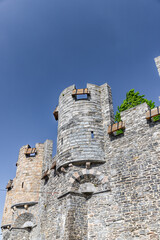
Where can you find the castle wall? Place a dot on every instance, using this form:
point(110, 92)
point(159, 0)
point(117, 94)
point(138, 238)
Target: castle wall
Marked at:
point(123, 201)
point(132, 161)
point(116, 196)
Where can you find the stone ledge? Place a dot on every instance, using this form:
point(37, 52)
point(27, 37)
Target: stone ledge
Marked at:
point(24, 228)
point(81, 194)
point(80, 162)
point(24, 203)
point(103, 191)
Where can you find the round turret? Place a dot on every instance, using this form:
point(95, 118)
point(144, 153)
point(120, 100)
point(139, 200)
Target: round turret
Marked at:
point(80, 126)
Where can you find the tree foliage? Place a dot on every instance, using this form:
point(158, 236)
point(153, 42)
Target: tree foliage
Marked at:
point(132, 99)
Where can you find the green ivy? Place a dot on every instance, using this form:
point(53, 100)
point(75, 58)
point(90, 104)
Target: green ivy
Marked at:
point(155, 119)
point(120, 131)
point(133, 99)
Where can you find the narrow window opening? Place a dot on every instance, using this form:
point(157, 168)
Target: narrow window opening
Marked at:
point(32, 154)
point(22, 184)
point(83, 96)
point(92, 134)
point(61, 141)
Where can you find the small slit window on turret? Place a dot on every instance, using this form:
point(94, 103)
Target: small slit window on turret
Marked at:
point(92, 134)
point(22, 184)
point(80, 94)
point(30, 152)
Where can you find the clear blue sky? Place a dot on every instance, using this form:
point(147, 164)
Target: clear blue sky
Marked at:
point(46, 46)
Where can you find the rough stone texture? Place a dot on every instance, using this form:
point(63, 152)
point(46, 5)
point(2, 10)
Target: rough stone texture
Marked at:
point(157, 62)
point(117, 197)
point(77, 119)
point(29, 172)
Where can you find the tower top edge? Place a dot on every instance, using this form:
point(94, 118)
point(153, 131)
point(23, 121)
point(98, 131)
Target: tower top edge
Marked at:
point(71, 87)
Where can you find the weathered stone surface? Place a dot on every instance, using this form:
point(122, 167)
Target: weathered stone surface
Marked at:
point(157, 62)
point(116, 198)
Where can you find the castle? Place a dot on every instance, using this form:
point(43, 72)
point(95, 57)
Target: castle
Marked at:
point(99, 185)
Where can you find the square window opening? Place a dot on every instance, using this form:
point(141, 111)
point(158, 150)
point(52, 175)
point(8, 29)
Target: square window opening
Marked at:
point(82, 97)
point(32, 154)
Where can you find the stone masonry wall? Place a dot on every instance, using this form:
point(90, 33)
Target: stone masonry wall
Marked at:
point(29, 172)
point(113, 199)
point(77, 119)
point(122, 199)
point(132, 162)
point(21, 206)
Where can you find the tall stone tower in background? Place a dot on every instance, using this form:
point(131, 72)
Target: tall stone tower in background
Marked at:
point(22, 197)
point(157, 62)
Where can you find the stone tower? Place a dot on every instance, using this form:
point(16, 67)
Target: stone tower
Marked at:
point(22, 198)
point(81, 124)
point(100, 184)
point(157, 62)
